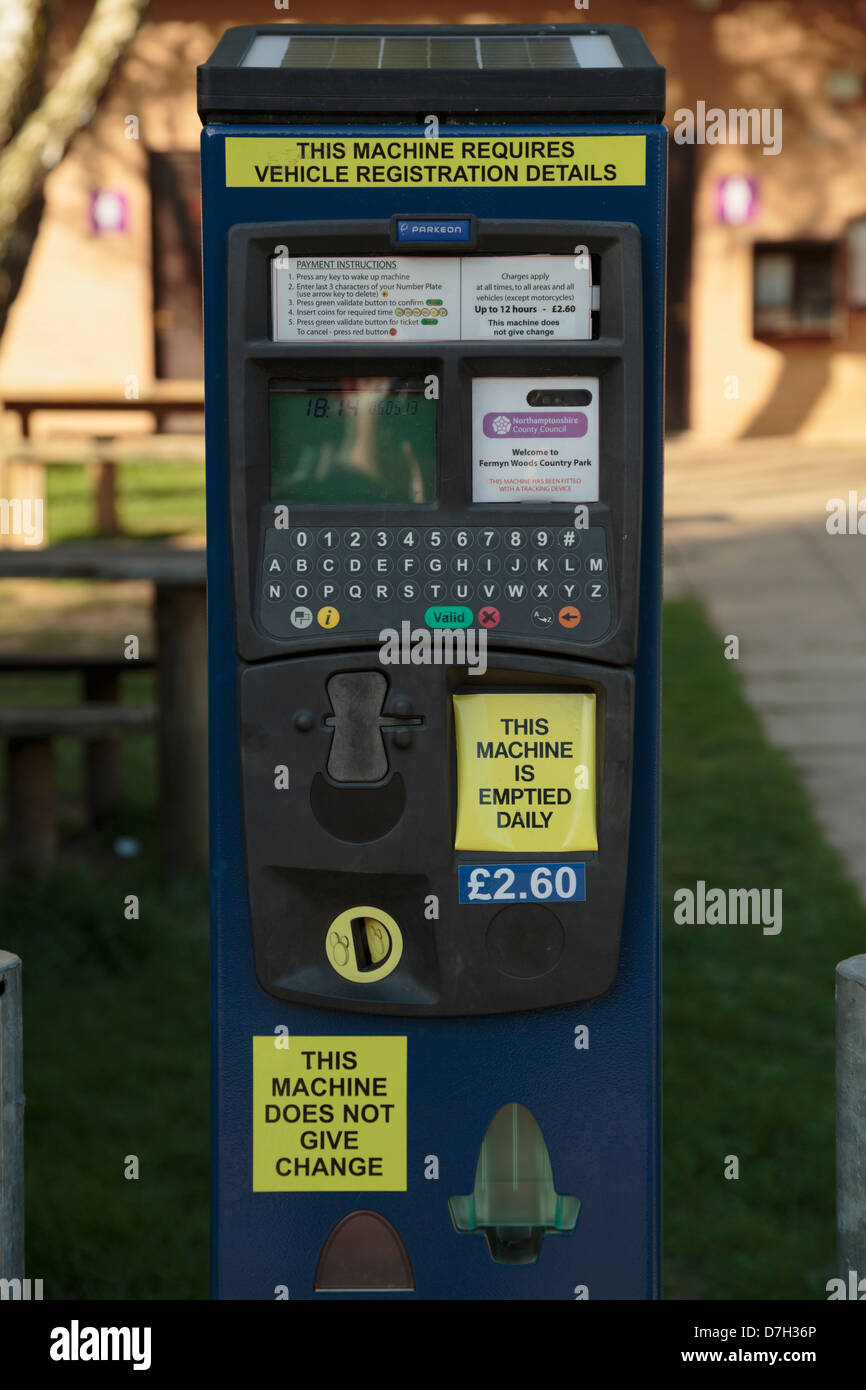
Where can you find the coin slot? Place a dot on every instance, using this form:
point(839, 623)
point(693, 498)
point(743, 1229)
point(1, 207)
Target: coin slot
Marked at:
point(363, 944)
point(372, 942)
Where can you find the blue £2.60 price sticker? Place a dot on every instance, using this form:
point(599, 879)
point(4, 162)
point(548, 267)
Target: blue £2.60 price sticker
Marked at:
point(514, 883)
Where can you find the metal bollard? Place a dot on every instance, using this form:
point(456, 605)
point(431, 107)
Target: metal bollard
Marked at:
point(851, 1116)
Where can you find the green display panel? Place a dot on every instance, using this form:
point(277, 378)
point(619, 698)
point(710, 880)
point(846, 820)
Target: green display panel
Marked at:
point(361, 441)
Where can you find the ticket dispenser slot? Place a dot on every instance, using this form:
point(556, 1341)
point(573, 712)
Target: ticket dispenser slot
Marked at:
point(514, 1203)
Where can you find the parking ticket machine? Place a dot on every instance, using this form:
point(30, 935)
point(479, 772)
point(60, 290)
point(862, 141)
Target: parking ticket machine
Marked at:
point(434, 287)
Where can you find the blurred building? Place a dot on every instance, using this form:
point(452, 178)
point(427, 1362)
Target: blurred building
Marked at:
point(767, 278)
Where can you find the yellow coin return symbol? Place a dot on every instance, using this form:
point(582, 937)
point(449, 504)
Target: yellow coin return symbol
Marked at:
point(328, 617)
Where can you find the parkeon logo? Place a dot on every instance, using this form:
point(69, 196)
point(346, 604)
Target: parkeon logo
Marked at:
point(77, 1343)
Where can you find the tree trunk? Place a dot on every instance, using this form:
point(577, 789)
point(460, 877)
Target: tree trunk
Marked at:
point(43, 135)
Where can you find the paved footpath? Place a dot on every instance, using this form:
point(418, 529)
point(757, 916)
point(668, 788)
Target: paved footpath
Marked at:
point(745, 530)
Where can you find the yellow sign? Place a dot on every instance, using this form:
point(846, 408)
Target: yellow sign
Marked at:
point(525, 772)
point(329, 1114)
point(520, 161)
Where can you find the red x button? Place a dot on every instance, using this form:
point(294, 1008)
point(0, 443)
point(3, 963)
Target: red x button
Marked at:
point(489, 617)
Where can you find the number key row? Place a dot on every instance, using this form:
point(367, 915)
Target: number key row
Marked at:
point(436, 538)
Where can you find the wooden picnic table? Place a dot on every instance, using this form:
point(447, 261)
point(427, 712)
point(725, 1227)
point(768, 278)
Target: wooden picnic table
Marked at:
point(180, 619)
point(158, 398)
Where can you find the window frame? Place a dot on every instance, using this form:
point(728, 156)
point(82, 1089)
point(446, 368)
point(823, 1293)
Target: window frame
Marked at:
point(801, 330)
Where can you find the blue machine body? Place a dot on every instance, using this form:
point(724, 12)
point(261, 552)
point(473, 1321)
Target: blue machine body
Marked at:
point(598, 1107)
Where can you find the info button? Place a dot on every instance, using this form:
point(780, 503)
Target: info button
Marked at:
point(442, 615)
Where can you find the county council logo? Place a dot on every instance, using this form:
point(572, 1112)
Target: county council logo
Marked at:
point(502, 424)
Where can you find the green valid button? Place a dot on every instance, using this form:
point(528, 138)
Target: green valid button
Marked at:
point(448, 617)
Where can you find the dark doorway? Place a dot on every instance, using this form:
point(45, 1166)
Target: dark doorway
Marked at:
point(681, 192)
point(175, 185)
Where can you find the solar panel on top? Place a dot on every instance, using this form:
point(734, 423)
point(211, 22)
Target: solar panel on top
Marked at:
point(526, 53)
point(348, 51)
point(452, 53)
point(332, 53)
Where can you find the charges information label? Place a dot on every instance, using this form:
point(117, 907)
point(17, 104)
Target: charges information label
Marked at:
point(388, 298)
point(329, 1114)
point(522, 161)
point(526, 297)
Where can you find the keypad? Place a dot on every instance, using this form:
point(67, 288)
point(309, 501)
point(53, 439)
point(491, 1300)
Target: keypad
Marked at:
point(516, 579)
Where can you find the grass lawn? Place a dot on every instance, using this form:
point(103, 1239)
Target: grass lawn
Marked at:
point(116, 1064)
point(116, 1045)
point(116, 1024)
point(748, 1018)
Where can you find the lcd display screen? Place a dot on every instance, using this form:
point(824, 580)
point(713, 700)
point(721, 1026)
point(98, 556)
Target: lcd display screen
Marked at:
point(364, 440)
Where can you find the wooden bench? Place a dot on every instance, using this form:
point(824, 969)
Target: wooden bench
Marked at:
point(84, 449)
point(161, 400)
point(31, 794)
point(99, 724)
point(180, 624)
point(25, 460)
